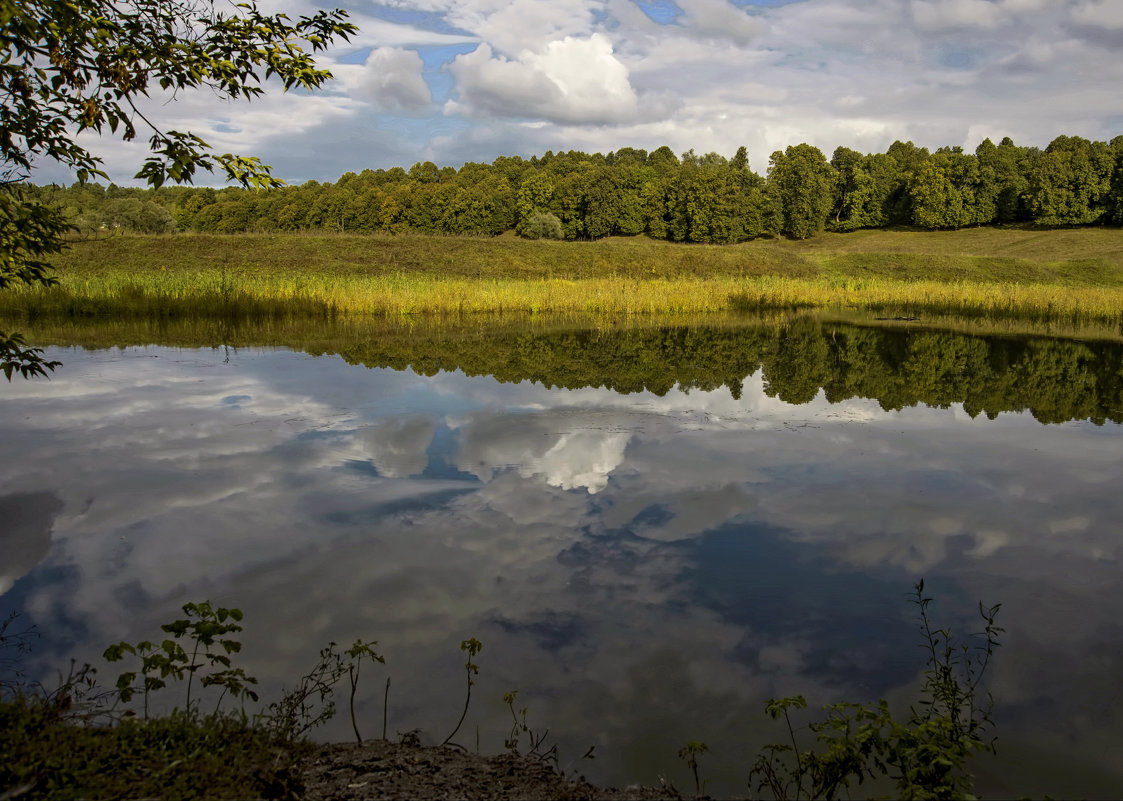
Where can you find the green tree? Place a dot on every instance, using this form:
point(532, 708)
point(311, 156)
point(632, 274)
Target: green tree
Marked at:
point(908, 158)
point(1070, 183)
point(740, 160)
point(801, 180)
point(1115, 196)
point(82, 65)
point(662, 159)
point(1004, 167)
point(863, 189)
point(936, 201)
point(139, 216)
point(571, 183)
point(535, 192)
point(603, 199)
point(851, 181)
point(654, 198)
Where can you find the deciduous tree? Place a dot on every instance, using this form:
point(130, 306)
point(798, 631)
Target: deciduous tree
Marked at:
point(801, 180)
point(69, 66)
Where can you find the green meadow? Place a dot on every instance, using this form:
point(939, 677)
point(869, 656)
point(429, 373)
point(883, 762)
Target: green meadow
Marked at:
point(1060, 274)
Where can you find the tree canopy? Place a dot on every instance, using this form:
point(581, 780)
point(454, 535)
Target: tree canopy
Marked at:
point(705, 198)
point(70, 66)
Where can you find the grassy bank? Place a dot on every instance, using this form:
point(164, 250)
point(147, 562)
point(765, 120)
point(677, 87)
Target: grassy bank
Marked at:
point(1074, 274)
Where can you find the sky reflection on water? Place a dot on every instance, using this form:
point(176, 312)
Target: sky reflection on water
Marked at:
point(644, 569)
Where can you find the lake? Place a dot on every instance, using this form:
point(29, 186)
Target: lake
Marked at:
point(652, 529)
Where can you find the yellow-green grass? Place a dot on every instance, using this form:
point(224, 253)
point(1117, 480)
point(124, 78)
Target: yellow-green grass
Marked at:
point(1081, 256)
point(1064, 274)
point(210, 293)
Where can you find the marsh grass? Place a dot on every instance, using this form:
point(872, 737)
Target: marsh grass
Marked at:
point(1069, 275)
point(218, 295)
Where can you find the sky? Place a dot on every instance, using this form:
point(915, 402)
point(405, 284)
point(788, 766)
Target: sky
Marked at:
point(452, 81)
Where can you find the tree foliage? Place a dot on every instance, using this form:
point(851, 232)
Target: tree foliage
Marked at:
point(802, 182)
point(1070, 183)
point(698, 198)
point(84, 65)
point(544, 225)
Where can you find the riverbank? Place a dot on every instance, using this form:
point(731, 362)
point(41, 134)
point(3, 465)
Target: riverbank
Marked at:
point(53, 753)
point(384, 770)
point(1072, 274)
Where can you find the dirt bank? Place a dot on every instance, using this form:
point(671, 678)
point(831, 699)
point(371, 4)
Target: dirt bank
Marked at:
point(381, 770)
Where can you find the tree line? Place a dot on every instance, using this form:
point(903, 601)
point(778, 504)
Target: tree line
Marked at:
point(689, 198)
point(1055, 380)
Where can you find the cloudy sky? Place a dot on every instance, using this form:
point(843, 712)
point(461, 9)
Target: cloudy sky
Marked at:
point(469, 80)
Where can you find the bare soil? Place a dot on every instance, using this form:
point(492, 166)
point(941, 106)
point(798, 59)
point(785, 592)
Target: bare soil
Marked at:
point(379, 770)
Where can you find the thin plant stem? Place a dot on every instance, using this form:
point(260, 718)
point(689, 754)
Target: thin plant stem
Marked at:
point(464, 714)
point(353, 674)
point(385, 706)
point(798, 760)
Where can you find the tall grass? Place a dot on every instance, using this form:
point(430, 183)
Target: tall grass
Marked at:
point(1075, 276)
point(215, 293)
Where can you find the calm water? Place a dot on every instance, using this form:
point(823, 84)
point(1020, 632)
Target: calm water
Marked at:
point(646, 566)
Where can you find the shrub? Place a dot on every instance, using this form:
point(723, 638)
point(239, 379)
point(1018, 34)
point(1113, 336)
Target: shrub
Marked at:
point(544, 225)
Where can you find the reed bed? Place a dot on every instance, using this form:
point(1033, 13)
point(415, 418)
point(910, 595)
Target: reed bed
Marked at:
point(224, 293)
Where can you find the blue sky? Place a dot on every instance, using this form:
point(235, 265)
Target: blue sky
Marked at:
point(452, 81)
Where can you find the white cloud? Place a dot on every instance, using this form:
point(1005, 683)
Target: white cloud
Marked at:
point(391, 79)
point(569, 81)
point(566, 455)
point(511, 26)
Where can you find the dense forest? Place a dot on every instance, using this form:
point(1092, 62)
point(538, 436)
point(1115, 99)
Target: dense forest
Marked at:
point(691, 198)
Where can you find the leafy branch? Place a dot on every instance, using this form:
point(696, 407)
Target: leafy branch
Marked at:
point(925, 755)
point(206, 628)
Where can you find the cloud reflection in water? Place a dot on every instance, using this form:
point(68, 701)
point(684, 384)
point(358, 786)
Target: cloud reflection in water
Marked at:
point(644, 569)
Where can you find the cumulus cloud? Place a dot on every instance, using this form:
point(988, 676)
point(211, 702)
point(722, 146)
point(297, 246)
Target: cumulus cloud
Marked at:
point(569, 81)
point(567, 451)
point(391, 79)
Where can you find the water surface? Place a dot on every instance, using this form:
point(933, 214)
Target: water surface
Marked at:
point(651, 532)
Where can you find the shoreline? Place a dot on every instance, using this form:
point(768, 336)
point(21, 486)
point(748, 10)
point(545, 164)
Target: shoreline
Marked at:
point(378, 769)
